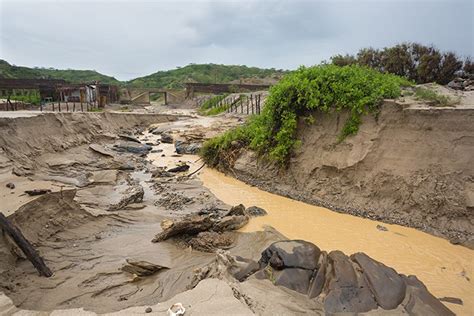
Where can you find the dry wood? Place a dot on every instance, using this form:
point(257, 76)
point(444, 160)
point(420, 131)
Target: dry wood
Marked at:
point(25, 246)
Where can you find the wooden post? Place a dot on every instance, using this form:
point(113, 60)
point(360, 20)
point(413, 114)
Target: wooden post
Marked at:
point(52, 103)
point(25, 246)
point(74, 106)
point(247, 106)
point(67, 106)
point(82, 107)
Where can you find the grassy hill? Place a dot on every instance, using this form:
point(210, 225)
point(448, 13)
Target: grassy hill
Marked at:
point(173, 79)
point(207, 73)
point(74, 76)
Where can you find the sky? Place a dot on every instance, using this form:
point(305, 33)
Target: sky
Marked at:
point(128, 39)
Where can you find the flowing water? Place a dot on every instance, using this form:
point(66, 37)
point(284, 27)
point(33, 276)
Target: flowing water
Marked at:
point(445, 269)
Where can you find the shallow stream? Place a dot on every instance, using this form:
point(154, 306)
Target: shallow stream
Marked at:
point(446, 269)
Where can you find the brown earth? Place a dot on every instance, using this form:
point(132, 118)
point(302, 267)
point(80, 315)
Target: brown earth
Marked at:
point(105, 211)
point(412, 165)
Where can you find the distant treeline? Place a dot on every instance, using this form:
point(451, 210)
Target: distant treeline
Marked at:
point(414, 61)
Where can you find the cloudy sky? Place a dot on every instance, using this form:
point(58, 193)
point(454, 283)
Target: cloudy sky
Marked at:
point(127, 39)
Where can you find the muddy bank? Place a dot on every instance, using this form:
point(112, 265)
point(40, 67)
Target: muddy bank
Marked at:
point(118, 193)
point(410, 166)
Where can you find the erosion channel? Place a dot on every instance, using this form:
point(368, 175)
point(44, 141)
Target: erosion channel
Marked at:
point(128, 223)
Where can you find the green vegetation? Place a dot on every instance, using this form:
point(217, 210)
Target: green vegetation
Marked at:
point(433, 97)
point(33, 97)
point(326, 88)
point(414, 61)
point(74, 76)
point(210, 107)
point(204, 73)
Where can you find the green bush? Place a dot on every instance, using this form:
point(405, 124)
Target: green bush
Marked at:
point(325, 88)
point(210, 107)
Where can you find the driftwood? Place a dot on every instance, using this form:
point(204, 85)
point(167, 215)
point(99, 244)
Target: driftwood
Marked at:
point(25, 246)
point(190, 225)
point(35, 192)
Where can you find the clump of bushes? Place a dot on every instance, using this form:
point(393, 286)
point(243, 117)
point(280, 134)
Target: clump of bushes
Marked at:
point(414, 61)
point(324, 88)
point(210, 106)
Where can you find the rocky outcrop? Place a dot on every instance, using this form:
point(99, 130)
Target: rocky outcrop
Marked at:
point(343, 284)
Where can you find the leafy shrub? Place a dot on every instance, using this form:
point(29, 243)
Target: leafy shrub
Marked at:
point(326, 88)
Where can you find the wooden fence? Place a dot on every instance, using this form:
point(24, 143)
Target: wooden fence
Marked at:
point(243, 104)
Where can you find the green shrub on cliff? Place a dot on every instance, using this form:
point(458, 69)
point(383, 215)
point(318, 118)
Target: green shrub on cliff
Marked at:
point(324, 88)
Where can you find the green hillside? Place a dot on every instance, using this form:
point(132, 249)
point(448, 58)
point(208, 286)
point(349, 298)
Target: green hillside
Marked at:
point(74, 76)
point(207, 73)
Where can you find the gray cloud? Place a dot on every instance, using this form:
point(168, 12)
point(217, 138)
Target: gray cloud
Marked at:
point(127, 39)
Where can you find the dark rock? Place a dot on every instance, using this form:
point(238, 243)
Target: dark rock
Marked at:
point(382, 228)
point(456, 85)
point(255, 211)
point(37, 192)
point(132, 147)
point(319, 279)
point(181, 168)
point(148, 310)
point(187, 148)
point(452, 300)
point(126, 166)
point(10, 185)
point(293, 278)
point(166, 138)
point(292, 254)
point(129, 138)
point(385, 283)
point(155, 151)
point(348, 291)
point(422, 302)
point(158, 130)
point(150, 144)
point(238, 210)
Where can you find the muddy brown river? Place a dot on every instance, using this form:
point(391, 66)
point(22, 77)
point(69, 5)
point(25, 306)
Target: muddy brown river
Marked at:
point(446, 269)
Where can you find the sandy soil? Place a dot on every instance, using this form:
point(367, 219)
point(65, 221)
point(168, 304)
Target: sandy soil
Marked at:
point(410, 166)
point(110, 206)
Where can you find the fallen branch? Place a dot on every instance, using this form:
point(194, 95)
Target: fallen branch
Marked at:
point(196, 170)
point(25, 246)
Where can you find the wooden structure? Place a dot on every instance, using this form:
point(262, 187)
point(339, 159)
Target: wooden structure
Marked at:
point(25, 246)
point(220, 88)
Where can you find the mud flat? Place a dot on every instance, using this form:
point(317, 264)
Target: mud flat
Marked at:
point(118, 184)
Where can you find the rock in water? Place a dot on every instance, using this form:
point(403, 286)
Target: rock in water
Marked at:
point(181, 168)
point(355, 284)
point(166, 138)
point(10, 186)
point(255, 211)
point(132, 147)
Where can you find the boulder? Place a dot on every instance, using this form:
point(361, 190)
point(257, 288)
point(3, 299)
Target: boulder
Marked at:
point(166, 138)
point(187, 148)
point(180, 168)
point(132, 147)
point(385, 283)
point(293, 278)
point(255, 211)
point(210, 241)
point(291, 254)
point(348, 291)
